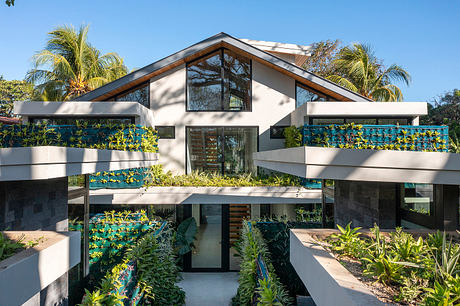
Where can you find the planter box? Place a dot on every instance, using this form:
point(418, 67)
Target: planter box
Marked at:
point(26, 273)
point(327, 281)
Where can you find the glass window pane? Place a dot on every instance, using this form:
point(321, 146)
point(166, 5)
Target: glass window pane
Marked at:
point(237, 82)
point(304, 95)
point(89, 120)
point(140, 95)
point(204, 84)
point(362, 121)
point(166, 132)
point(400, 121)
point(418, 198)
point(204, 149)
point(239, 144)
point(327, 121)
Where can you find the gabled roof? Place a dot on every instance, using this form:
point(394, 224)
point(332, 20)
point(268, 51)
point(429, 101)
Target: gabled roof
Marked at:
point(205, 46)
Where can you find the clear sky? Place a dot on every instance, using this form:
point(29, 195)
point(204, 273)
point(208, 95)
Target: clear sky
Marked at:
point(422, 36)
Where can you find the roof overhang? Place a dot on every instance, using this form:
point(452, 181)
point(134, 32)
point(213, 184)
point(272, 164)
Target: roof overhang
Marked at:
point(38, 163)
point(364, 165)
point(208, 45)
point(206, 195)
point(358, 109)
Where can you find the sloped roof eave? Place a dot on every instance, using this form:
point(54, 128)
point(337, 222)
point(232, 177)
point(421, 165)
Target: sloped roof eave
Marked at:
point(208, 43)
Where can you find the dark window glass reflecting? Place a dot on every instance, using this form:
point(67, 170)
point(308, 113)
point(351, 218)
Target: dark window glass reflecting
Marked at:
point(166, 132)
point(237, 82)
point(327, 121)
point(396, 121)
point(418, 198)
point(204, 80)
point(305, 94)
point(362, 120)
point(220, 81)
point(140, 94)
point(89, 120)
point(277, 132)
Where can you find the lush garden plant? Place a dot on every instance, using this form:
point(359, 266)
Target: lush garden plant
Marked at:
point(10, 247)
point(154, 278)
point(157, 177)
point(253, 288)
point(422, 270)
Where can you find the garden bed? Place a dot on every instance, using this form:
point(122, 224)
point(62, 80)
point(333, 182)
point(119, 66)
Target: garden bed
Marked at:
point(44, 257)
point(373, 267)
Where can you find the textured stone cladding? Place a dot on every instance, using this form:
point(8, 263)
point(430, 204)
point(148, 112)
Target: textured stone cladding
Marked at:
point(365, 203)
point(34, 205)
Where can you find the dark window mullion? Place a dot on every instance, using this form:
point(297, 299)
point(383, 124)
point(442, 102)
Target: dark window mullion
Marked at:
point(222, 77)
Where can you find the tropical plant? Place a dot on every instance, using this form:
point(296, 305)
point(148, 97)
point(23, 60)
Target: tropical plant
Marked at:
point(360, 71)
point(10, 247)
point(346, 242)
point(185, 236)
point(69, 66)
point(293, 137)
point(11, 91)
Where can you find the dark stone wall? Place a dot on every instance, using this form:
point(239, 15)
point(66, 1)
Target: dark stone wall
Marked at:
point(365, 203)
point(54, 295)
point(34, 205)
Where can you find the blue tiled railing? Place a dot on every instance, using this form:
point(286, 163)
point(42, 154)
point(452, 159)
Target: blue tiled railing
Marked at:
point(378, 137)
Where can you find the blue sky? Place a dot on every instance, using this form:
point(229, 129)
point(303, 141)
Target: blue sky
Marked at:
point(422, 36)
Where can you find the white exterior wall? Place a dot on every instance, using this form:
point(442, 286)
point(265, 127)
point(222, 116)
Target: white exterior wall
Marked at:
point(273, 99)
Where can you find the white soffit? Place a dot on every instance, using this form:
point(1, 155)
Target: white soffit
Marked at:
point(364, 165)
point(35, 163)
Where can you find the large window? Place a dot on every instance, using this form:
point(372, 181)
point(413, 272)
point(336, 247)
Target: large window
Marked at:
point(224, 150)
point(220, 81)
point(306, 94)
point(89, 120)
point(372, 121)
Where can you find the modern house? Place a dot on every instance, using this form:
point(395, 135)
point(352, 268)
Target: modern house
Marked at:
point(219, 102)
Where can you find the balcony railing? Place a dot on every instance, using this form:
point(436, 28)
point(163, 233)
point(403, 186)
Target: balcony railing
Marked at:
point(378, 137)
point(110, 136)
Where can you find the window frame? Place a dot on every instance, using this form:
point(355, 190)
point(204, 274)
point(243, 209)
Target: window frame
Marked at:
point(166, 126)
point(316, 92)
point(221, 51)
point(127, 91)
point(272, 136)
point(256, 127)
point(350, 119)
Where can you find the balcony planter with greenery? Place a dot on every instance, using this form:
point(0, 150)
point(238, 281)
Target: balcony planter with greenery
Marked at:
point(400, 267)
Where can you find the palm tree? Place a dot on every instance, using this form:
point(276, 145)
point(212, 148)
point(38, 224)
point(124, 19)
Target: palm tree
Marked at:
point(69, 66)
point(360, 71)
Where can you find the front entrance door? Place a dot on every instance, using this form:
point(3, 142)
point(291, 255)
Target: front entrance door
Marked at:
point(211, 252)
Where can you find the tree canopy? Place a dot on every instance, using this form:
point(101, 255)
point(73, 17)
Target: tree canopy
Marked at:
point(356, 68)
point(11, 91)
point(69, 66)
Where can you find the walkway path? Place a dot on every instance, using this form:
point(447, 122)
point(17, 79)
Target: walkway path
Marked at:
point(209, 289)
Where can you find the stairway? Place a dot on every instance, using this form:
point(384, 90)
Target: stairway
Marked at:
point(238, 213)
point(203, 147)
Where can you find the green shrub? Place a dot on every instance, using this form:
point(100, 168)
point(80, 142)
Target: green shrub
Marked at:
point(266, 291)
point(425, 270)
point(293, 137)
point(157, 177)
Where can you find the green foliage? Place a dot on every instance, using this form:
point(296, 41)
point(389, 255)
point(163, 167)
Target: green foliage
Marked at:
point(267, 291)
point(9, 2)
point(323, 53)
point(445, 110)
point(425, 270)
point(293, 137)
point(108, 136)
point(275, 233)
point(156, 274)
point(358, 69)
point(11, 91)
point(157, 177)
point(9, 247)
point(185, 236)
point(346, 242)
point(69, 66)
point(303, 215)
